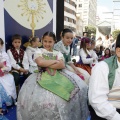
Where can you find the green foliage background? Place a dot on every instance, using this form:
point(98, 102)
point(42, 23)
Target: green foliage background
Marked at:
point(115, 34)
point(90, 29)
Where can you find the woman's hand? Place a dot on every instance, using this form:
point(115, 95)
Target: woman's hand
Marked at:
point(57, 61)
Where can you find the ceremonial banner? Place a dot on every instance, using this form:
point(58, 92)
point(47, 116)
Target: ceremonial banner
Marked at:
point(27, 18)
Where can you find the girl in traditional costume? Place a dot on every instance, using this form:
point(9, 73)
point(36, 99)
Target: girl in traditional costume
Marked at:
point(30, 50)
point(52, 93)
point(64, 47)
point(86, 59)
point(7, 85)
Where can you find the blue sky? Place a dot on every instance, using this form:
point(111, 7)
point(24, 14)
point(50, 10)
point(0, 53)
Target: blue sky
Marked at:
point(109, 6)
point(104, 6)
point(106, 3)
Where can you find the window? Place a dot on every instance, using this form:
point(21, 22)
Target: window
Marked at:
point(80, 5)
point(67, 19)
point(75, 5)
point(72, 21)
point(68, 1)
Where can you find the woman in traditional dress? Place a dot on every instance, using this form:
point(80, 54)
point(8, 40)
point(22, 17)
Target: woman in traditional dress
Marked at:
point(52, 94)
point(86, 59)
point(64, 47)
point(7, 85)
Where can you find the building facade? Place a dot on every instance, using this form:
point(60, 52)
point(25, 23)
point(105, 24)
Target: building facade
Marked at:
point(70, 14)
point(87, 10)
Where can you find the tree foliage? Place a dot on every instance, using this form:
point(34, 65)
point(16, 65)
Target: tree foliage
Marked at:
point(115, 34)
point(90, 29)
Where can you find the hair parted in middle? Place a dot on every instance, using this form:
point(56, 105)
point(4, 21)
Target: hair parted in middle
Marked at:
point(50, 34)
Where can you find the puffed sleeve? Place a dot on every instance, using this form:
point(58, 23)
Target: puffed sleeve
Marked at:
point(30, 56)
point(38, 54)
point(60, 56)
point(12, 61)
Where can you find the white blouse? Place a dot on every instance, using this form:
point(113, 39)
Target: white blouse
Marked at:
point(42, 51)
point(84, 58)
point(14, 64)
point(30, 52)
point(4, 57)
point(99, 90)
point(106, 43)
point(99, 42)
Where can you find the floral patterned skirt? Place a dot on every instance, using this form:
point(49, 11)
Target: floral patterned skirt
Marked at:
point(37, 103)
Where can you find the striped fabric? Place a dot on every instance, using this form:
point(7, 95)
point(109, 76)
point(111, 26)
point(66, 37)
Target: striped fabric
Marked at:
point(114, 96)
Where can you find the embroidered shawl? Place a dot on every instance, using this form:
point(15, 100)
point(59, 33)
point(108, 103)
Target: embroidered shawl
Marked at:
point(112, 64)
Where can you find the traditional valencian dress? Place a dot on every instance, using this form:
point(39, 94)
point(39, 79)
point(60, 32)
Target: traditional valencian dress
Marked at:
point(7, 85)
point(85, 62)
point(30, 52)
point(52, 94)
point(65, 50)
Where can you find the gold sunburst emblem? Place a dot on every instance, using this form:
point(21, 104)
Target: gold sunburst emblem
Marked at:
point(34, 10)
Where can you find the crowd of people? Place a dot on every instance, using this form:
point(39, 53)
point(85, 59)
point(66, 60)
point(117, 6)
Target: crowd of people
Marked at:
point(57, 88)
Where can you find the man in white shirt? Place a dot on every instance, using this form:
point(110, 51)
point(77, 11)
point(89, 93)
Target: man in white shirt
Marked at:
point(104, 88)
